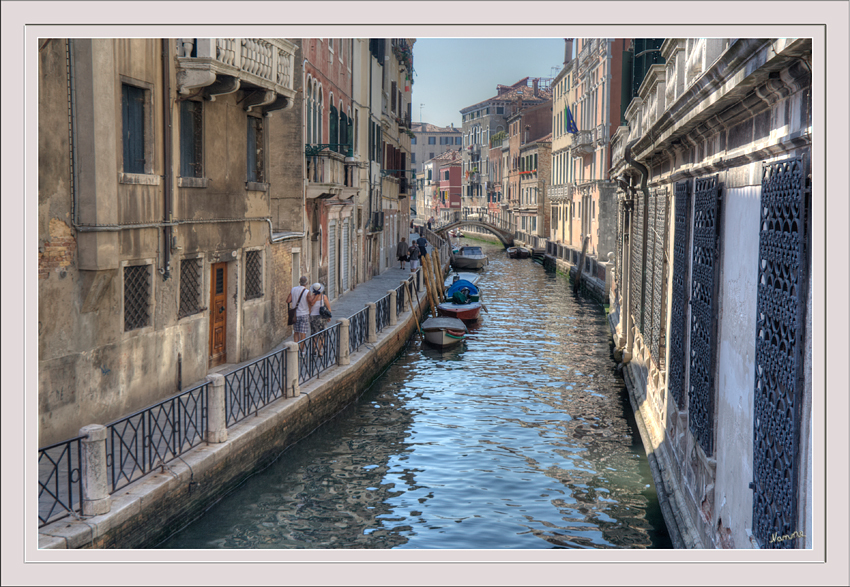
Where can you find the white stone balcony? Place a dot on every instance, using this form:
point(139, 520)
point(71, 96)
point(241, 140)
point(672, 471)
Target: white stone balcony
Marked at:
point(581, 143)
point(331, 174)
point(225, 65)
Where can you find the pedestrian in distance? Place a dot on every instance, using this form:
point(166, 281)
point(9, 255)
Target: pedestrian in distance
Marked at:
point(297, 300)
point(423, 246)
point(429, 223)
point(401, 252)
point(413, 256)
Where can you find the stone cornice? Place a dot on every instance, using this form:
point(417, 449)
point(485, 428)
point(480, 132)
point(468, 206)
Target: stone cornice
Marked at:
point(671, 46)
point(657, 74)
point(724, 94)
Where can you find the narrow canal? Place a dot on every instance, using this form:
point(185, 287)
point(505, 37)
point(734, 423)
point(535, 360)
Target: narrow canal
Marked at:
point(521, 438)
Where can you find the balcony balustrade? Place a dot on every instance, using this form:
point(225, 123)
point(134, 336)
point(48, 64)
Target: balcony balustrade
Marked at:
point(582, 142)
point(224, 65)
point(331, 174)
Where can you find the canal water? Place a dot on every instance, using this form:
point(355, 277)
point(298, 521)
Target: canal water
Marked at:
point(521, 438)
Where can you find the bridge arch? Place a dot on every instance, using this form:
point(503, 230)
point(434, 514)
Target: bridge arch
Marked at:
point(505, 237)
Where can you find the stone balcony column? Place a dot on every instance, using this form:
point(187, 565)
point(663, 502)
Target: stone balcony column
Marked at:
point(95, 491)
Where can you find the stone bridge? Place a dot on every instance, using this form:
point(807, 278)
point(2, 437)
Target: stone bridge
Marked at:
point(506, 237)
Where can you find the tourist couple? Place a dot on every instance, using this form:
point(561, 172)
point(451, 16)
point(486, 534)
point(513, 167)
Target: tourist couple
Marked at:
point(308, 305)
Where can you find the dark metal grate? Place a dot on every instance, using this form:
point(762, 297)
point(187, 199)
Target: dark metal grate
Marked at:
point(636, 284)
point(701, 372)
point(649, 270)
point(253, 275)
point(659, 280)
point(190, 287)
point(678, 309)
point(780, 326)
point(137, 293)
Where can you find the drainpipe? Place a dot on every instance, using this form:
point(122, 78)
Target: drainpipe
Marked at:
point(625, 289)
point(168, 195)
point(72, 97)
point(644, 174)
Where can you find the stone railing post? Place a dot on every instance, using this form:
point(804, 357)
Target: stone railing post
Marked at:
point(292, 372)
point(216, 416)
point(405, 283)
point(393, 304)
point(344, 346)
point(95, 490)
point(371, 332)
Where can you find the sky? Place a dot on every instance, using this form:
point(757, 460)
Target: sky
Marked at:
point(451, 74)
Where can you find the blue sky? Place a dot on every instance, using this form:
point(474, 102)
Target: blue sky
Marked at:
point(454, 73)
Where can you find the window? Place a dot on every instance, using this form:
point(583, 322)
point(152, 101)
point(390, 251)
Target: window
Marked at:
point(137, 295)
point(253, 275)
point(191, 139)
point(457, 140)
point(500, 109)
point(256, 167)
point(133, 128)
point(432, 140)
point(413, 140)
point(413, 158)
point(431, 155)
point(190, 287)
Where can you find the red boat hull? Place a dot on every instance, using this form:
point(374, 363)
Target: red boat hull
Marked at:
point(466, 312)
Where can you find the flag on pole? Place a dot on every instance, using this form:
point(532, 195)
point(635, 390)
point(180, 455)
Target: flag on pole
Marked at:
point(569, 123)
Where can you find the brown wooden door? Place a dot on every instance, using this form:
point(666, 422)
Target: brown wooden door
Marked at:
point(218, 314)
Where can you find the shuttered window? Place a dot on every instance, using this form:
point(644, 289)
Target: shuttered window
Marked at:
point(133, 128)
point(255, 150)
point(191, 139)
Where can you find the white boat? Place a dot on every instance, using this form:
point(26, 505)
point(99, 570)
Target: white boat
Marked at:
point(444, 332)
point(453, 276)
point(469, 258)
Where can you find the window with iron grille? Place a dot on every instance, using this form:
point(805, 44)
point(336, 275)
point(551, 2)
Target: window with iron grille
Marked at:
point(190, 287)
point(191, 139)
point(133, 128)
point(256, 163)
point(137, 296)
point(253, 275)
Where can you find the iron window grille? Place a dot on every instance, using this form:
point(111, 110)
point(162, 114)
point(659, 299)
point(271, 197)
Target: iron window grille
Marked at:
point(137, 293)
point(190, 287)
point(253, 275)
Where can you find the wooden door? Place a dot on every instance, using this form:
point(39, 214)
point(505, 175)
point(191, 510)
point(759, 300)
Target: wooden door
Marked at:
point(218, 314)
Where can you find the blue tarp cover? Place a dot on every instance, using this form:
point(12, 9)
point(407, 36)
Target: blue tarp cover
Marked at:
point(459, 285)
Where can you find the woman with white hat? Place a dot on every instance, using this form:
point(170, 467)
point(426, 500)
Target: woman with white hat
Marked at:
point(317, 300)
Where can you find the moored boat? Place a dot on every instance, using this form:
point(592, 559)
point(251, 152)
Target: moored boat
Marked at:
point(466, 312)
point(518, 253)
point(453, 277)
point(443, 331)
point(473, 294)
point(469, 258)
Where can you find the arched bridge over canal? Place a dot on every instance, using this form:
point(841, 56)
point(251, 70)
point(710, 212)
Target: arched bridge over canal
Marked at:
point(505, 236)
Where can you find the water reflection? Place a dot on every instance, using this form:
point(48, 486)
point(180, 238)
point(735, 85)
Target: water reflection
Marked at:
point(518, 438)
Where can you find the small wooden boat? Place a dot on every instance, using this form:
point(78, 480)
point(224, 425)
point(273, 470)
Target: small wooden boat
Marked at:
point(473, 292)
point(466, 312)
point(470, 277)
point(518, 253)
point(443, 331)
point(469, 258)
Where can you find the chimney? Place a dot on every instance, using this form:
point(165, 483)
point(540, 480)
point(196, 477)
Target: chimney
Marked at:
point(568, 50)
point(534, 83)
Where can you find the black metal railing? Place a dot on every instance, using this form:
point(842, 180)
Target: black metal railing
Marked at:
point(358, 328)
point(317, 353)
point(152, 437)
point(382, 313)
point(60, 481)
point(253, 386)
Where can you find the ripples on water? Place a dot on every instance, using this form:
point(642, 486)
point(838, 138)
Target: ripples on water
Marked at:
point(521, 438)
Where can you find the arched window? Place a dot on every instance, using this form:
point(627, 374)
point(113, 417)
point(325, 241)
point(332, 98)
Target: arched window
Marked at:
point(333, 124)
point(320, 117)
point(343, 127)
point(309, 111)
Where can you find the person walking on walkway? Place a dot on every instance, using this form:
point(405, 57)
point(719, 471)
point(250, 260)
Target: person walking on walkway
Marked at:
point(430, 220)
point(401, 252)
point(413, 256)
point(298, 296)
point(317, 299)
point(423, 246)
